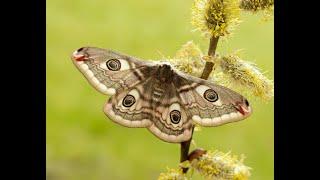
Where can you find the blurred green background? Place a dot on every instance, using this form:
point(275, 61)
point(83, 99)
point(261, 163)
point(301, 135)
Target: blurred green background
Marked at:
point(83, 144)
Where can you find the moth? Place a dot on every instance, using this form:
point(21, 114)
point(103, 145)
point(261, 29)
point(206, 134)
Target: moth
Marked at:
point(156, 96)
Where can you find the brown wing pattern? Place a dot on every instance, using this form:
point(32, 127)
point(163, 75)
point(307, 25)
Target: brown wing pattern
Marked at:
point(108, 71)
point(210, 104)
point(148, 105)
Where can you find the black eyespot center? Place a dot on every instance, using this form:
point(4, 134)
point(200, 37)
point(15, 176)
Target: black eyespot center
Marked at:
point(247, 103)
point(210, 95)
point(128, 101)
point(80, 49)
point(113, 64)
point(175, 116)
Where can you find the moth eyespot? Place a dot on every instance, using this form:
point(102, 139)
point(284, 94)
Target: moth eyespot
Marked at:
point(128, 101)
point(113, 64)
point(175, 116)
point(210, 95)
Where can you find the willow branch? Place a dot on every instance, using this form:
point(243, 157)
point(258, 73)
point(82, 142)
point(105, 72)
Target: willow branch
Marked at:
point(185, 146)
point(184, 151)
point(211, 52)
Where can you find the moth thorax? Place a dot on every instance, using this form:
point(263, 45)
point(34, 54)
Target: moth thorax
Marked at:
point(165, 73)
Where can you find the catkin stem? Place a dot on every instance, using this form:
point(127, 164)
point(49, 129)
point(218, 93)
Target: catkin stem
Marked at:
point(185, 146)
point(184, 151)
point(211, 52)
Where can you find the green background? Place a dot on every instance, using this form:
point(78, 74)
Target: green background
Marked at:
point(83, 144)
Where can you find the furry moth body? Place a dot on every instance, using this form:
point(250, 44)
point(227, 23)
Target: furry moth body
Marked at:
point(156, 96)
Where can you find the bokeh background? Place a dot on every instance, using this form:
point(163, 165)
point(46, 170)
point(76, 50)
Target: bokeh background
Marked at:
point(83, 144)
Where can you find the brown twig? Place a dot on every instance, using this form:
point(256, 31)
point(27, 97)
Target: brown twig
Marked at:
point(184, 146)
point(211, 52)
point(184, 151)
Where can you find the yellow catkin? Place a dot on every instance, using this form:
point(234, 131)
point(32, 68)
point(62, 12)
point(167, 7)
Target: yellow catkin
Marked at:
point(221, 166)
point(264, 6)
point(256, 5)
point(244, 76)
point(173, 174)
point(188, 59)
point(215, 17)
point(211, 165)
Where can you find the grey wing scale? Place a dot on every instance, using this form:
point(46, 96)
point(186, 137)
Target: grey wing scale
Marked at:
point(172, 122)
point(129, 108)
point(146, 105)
point(108, 71)
point(210, 104)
